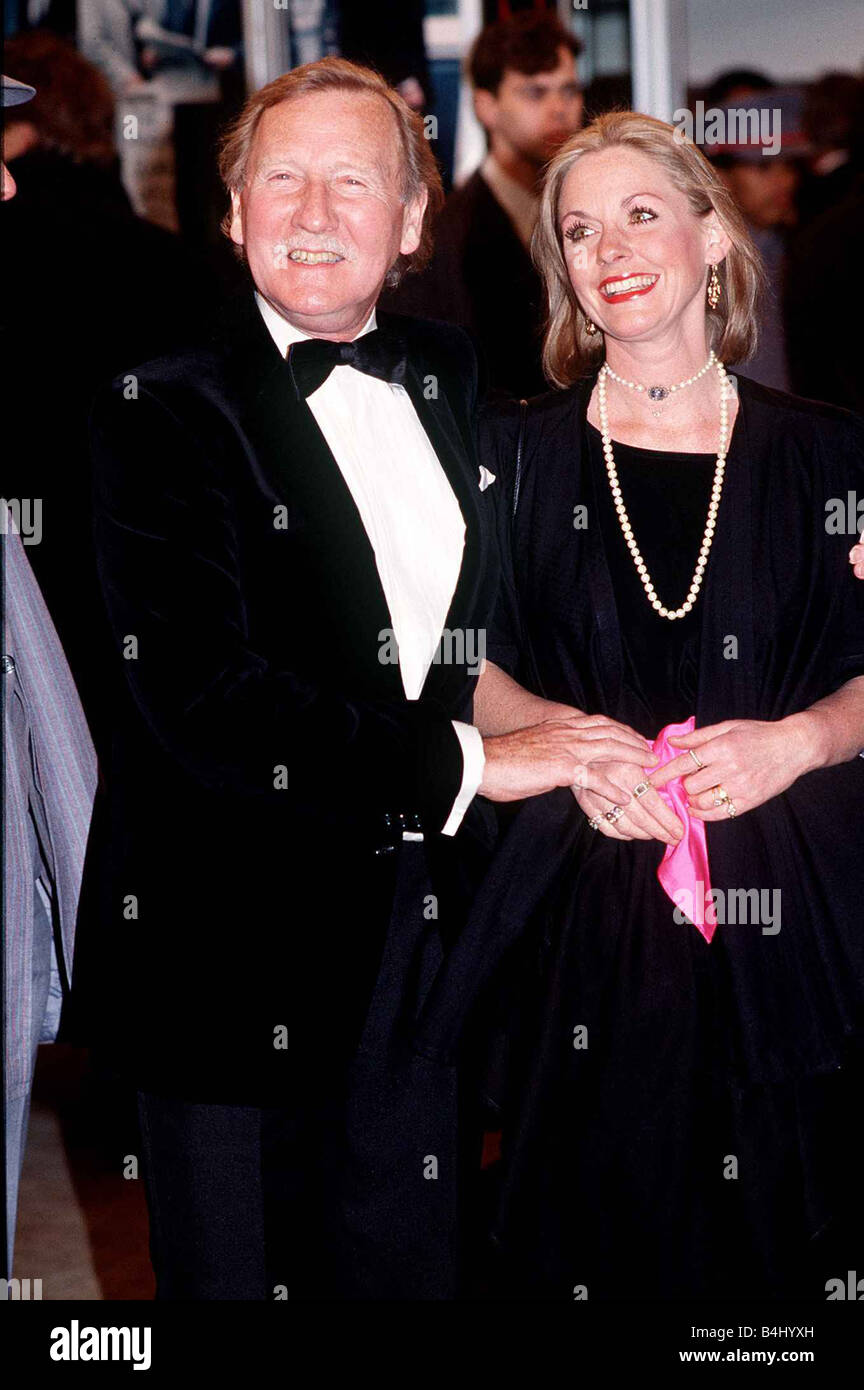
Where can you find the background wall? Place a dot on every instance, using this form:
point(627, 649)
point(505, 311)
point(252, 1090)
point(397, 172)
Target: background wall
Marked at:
point(791, 39)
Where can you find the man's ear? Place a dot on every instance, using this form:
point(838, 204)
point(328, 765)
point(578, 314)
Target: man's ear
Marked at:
point(718, 242)
point(236, 219)
point(412, 223)
point(485, 109)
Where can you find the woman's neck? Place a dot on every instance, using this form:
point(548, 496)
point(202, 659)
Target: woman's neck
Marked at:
point(658, 363)
point(688, 421)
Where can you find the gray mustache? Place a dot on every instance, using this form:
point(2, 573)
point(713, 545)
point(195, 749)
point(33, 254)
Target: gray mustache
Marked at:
point(284, 248)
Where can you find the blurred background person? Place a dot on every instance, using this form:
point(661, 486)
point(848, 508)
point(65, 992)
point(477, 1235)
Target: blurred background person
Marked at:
point(733, 85)
point(90, 288)
point(106, 37)
point(390, 39)
point(186, 57)
point(764, 186)
point(832, 120)
point(527, 97)
point(824, 296)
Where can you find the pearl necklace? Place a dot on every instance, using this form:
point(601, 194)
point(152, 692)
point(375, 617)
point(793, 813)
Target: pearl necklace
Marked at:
point(662, 393)
point(716, 491)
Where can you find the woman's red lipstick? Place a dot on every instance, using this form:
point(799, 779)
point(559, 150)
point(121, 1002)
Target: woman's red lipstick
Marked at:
point(629, 294)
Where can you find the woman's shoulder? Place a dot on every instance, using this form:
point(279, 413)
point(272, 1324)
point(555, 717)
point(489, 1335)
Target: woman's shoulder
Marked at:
point(798, 418)
point(545, 416)
point(800, 448)
point(499, 406)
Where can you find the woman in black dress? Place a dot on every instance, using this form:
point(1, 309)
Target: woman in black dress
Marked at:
point(678, 1118)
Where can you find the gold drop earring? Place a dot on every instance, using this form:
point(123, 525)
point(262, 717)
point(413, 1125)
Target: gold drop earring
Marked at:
point(714, 288)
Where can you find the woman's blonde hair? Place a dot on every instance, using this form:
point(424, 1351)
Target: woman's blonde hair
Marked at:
point(569, 351)
point(419, 169)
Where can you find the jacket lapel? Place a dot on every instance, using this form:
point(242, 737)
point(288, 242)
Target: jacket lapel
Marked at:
point(296, 467)
point(458, 460)
point(295, 464)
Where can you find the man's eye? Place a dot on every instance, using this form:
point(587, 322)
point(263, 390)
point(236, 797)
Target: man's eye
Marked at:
point(578, 232)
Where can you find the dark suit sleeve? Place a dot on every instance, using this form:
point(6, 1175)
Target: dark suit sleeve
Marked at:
point(169, 564)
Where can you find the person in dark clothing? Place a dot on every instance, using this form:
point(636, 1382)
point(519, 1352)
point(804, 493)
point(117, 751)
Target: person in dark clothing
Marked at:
point(527, 96)
point(764, 186)
point(736, 84)
point(389, 39)
point(822, 364)
point(689, 1041)
point(89, 289)
point(833, 120)
point(823, 297)
point(282, 506)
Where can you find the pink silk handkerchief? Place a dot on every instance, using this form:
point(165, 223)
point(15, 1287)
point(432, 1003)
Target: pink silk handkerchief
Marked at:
point(683, 871)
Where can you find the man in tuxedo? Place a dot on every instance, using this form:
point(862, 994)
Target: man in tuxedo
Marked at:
point(527, 98)
point(295, 546)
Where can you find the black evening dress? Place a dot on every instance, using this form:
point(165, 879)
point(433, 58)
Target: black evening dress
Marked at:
point(677, 1116)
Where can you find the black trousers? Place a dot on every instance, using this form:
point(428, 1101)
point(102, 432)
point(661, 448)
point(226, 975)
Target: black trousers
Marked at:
point(244, 1201)
point(236, 1198)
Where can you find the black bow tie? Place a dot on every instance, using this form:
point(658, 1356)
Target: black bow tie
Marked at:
point(378, 353)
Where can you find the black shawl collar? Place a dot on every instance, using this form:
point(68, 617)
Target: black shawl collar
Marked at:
point(270, 415)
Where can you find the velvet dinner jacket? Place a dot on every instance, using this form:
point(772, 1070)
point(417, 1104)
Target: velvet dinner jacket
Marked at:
point(242, 876)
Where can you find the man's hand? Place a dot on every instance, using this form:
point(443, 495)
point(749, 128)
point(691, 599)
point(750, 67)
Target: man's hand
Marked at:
point(561, 753)
point(856, 558)
point(412, 93)
point(218, 58)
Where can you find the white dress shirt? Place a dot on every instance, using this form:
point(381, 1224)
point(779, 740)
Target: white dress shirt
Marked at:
point(411, 516)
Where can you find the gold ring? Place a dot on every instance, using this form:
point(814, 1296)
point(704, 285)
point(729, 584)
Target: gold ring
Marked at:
point(641, 788)
point(730, 808)
point(695, 756)
point(720, 795)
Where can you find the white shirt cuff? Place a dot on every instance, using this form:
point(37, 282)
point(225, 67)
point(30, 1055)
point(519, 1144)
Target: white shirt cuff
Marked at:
point(473, 767)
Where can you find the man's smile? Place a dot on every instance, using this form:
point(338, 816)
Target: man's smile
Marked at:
point(301, 257)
